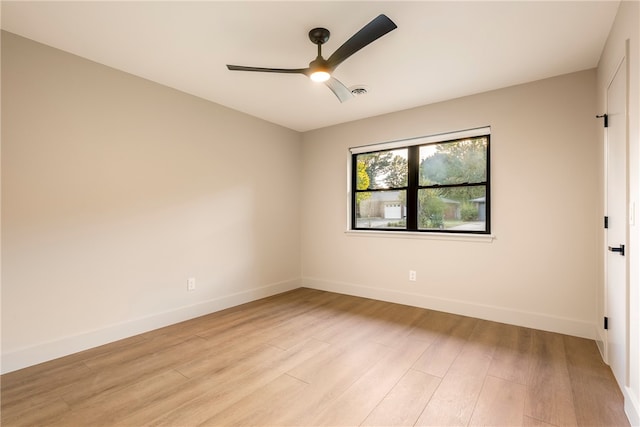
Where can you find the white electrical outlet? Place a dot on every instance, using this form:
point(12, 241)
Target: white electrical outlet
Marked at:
point(191, 284)
point(412, 275)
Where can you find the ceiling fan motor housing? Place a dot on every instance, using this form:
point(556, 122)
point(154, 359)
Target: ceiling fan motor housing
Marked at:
point(319, 36)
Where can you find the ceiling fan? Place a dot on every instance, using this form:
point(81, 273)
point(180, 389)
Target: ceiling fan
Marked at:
point(320, 69)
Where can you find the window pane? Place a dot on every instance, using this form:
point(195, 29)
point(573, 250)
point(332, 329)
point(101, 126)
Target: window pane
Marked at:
point(453, 209)
point(381, 209)
point(458, 162)
point(383, 169)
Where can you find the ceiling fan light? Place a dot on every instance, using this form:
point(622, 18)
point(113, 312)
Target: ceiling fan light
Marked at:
point(320, 76)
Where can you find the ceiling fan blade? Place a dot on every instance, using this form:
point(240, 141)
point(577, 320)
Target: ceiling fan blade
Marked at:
point(371, 32)
point(340, 90)
point(268, 70)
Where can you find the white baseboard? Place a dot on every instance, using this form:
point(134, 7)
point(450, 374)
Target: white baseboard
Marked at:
point(632, 407)
point(29, 356)
point(532, 320)
point(601, 342)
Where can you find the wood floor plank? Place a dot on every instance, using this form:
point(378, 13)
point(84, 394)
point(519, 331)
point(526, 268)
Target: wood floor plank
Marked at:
point(163, 406)
point(214, 361)
point(245, 322)
point(335, 360)
point(36, 388)
point(392, 326)
point(353, 325)
point(501, 403)
point(324, 318)
point(221, 325)
point(405, 401)
point(111, 407)
point(354, 405)
point(123, 375)
point(592, 382)
point(44, 371)
point(532, 422)
point(512, 358)
point(263, 406)
point(451, 333)
point(549, 395)
point(133, 351)
point(222, 320)
point(329, 374)
point(453, 402)
point(228, 386)
point(44, 412)
point(430, 326)
point(232, 344)
point(245, 337)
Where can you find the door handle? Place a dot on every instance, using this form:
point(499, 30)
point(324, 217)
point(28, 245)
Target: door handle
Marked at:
point(620, 250)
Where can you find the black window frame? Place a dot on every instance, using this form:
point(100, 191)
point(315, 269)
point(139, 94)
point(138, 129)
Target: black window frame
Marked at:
point(413, 186)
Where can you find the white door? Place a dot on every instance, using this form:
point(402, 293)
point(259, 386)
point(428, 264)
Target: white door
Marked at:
point(616, 235)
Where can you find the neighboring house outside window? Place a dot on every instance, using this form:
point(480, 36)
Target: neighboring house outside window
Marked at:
point(432, 184)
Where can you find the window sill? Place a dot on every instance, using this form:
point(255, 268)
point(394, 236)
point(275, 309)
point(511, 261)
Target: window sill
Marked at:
point(480, 238)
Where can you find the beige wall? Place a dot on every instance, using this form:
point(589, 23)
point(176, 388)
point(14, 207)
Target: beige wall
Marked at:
point(541, 268)
point(626, 29)
point(115, 190)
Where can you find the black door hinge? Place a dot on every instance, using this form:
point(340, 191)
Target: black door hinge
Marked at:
point(606, 119)
point(606, 322)
point(606, 222)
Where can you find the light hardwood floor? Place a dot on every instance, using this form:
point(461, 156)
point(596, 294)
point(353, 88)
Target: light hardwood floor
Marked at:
point(316, 358)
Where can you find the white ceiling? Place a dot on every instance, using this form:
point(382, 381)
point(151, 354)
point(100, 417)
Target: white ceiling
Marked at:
point(440, 50)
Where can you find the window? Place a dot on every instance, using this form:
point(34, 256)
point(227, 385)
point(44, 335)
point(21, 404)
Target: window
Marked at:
point(432, 184)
